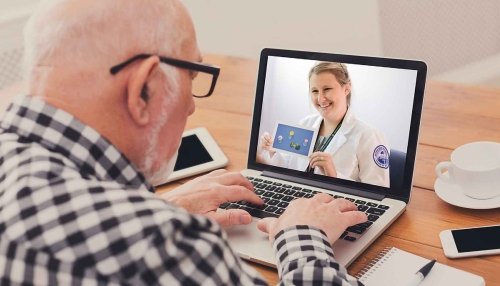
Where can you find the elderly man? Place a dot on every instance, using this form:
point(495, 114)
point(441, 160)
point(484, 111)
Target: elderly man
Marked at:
point(109, 95)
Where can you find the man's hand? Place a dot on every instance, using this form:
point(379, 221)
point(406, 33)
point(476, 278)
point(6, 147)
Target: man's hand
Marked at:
point(321, 211)
point(204, 194)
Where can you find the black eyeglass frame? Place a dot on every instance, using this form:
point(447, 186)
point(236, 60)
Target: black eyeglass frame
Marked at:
point(204, 68)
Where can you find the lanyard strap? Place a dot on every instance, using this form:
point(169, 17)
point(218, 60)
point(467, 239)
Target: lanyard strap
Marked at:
point(325, 143)
point(323, 146)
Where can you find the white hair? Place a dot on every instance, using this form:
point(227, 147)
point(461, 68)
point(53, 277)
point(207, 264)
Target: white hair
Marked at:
point(99, 33)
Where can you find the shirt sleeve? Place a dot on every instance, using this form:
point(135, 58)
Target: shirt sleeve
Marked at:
point(192, 250)
point(306, 258)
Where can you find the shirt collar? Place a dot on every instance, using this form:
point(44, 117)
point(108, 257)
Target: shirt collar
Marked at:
point(37, 121)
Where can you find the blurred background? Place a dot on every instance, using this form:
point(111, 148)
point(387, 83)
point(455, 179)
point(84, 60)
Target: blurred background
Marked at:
point(459, 39)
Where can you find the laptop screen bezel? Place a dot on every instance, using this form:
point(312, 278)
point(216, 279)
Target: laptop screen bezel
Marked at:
point(401, 192)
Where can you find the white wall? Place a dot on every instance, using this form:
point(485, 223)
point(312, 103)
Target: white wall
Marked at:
point(243, 28)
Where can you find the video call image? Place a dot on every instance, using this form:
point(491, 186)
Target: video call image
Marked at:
point(345, 121)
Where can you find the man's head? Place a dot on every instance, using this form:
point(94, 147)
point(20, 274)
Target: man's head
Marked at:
point(70, 47)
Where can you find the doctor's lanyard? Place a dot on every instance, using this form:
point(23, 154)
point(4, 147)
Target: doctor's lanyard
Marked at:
point(325, 143)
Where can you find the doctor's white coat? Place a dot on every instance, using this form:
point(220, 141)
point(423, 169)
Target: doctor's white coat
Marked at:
point(360, 152)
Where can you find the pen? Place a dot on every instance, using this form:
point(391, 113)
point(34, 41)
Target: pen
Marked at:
point(420, 275)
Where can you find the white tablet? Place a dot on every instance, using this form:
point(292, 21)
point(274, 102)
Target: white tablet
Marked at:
point(294, 139)
point(198, 153)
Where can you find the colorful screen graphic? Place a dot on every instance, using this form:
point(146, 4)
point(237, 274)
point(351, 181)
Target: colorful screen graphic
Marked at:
point(293, 139)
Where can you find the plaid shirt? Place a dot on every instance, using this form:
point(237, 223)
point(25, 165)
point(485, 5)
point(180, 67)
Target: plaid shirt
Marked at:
point(74, 210)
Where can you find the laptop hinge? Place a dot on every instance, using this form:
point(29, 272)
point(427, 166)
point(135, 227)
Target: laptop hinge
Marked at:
point(323, 185)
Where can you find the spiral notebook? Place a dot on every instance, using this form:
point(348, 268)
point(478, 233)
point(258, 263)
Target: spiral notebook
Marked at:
point(394, 266)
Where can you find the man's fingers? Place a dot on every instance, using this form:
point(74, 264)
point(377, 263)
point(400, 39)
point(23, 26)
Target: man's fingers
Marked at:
point(216, 173)
point(233, 178)
point(324, 198)
point(354, 217)
point(267, 224)
point(344, 205)
point(237, 193)
point(231, 217)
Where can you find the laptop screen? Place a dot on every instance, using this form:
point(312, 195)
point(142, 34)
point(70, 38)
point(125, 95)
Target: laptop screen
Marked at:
point(341, 119)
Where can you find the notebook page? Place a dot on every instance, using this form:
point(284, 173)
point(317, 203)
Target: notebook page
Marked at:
point(397, 267)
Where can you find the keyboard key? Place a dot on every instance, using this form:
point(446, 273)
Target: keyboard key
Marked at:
point(371, 204)
point(279, 211)
point(338, 197)
point(350, 199)
point(233, 206)
point(287, 186)
point(259, 192)
point(268, 182)
point(365, 224)
point(299, 194)
point(268, 194)
point(278, 196)
point(349, 238)
point(261, 186)
point(271, 209)
point(250, 178)
point(283, 204)
point(356, 229)
point(224, 205)
point(373, 217)
point(383, 207)
point(277, 184)
point(261, 213)
point(289, 192)
point(344, 234)
point(257, 180)
point(308, 196)
point(297, 188)
point(273, 202)
point(360, 202)
point(375, 211)
point(287, 198)
point(307, 190)
point(362, 208)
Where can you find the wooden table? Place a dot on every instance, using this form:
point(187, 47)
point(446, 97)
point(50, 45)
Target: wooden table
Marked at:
point(453, 115)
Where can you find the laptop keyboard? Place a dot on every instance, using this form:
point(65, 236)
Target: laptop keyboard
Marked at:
point(277, 196)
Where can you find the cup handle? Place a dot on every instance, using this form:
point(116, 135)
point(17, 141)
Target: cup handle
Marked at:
point(440, 168)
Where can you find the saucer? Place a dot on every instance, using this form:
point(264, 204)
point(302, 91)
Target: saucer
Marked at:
point(452, 194)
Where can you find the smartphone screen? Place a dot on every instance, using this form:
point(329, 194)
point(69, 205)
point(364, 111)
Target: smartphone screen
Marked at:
point(477, 239)
point(191, 153)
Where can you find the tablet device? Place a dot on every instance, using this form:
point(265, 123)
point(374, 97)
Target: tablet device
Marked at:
point(294, 139)
point(198, 153)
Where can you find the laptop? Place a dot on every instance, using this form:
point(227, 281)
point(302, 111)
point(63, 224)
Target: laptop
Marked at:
point(386, 95)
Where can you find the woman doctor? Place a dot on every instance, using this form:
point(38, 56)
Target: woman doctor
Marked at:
point(346, 147)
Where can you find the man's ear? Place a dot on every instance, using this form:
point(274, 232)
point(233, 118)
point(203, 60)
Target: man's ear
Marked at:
point(137, 99)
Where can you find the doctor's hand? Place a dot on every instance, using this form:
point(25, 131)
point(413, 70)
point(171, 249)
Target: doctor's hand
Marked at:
point(205, 194)
point(325, 162)
point(266, 143)
point(330, 215)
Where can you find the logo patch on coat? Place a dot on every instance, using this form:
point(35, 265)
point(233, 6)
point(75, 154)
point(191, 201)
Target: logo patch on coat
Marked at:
point(381, 156)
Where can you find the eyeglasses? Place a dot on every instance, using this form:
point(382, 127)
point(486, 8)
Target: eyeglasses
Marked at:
point(203, 82)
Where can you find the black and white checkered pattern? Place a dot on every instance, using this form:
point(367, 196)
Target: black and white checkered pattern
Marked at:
point(307, 249)
point(74, 210)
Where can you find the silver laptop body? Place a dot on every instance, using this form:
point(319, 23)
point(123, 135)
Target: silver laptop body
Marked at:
point(399, 117)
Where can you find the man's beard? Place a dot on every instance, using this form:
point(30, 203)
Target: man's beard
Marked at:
point(159, 177)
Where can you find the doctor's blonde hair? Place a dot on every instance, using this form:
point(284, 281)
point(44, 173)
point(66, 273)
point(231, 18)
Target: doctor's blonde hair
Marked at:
point(339, 70)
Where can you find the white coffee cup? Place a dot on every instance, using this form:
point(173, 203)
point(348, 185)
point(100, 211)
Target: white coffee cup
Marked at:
point(475, 168)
